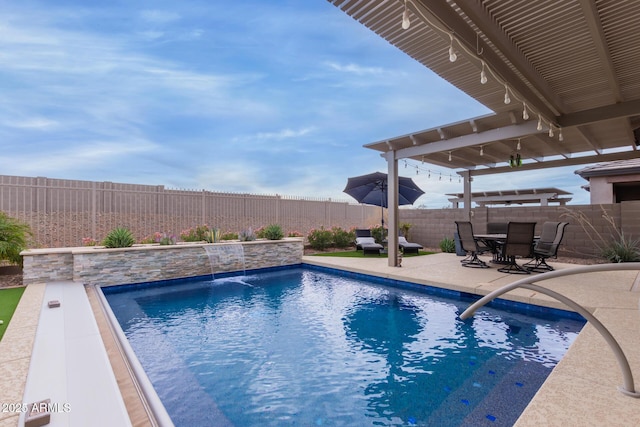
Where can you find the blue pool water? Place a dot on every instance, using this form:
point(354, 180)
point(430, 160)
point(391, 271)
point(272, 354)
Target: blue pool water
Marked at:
point(308, 347)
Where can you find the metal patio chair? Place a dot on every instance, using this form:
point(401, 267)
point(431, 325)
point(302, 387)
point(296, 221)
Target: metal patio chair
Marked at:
point(547, 248)
point(469, 244)
point(519, 243)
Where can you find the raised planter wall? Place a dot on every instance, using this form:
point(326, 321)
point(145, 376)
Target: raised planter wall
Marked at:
point(97, 266)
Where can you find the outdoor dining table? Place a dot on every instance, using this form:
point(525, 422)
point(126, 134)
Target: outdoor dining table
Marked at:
point(495, 242)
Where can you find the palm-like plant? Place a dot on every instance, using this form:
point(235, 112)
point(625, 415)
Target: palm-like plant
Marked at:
point(14, 236)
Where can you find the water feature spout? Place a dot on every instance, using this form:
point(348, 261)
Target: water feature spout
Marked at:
point(226, 257)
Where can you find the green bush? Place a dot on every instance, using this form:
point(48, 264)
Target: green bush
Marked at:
point(247, 235)
point(379, 233)
point(320, 239)
point(448, 245)
point(342, 238)
point(197, 234)
point(119, 237)
point(622, 250)
point(229, 236)
point(13, 238)
point(273, 232)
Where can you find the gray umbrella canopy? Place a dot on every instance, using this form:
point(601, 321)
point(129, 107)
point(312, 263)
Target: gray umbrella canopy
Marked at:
point(371, 189)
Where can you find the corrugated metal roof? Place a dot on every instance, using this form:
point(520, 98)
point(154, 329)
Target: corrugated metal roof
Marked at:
point(575, 62)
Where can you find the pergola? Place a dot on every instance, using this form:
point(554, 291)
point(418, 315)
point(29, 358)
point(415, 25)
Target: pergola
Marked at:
point(541, 196)
point(561, 76)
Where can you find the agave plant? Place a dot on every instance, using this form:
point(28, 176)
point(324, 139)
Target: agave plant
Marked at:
point(119, 237)
point(273, 232)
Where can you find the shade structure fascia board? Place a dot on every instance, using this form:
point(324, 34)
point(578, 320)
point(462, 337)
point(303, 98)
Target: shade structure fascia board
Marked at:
point(492, 135)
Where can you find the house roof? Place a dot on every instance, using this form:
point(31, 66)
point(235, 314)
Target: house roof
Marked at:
point(572, 64)
point(620, 167)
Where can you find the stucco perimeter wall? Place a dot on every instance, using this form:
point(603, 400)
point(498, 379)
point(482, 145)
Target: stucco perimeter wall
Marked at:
point(154, 263)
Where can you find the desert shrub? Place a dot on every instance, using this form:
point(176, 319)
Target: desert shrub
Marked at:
point(447, 245)
point(89, 241)
point(622, 250)
point(342, 238)
point(320, 239)
point(273, 232)
point(294, 234)
point(616, 247)
point(14, 236)
point(247, 235)
point(229, 235)
point(404, 229)
point(119, 237)
point(379, 233)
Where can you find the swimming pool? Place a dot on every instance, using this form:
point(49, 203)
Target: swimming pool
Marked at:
point(306, 346)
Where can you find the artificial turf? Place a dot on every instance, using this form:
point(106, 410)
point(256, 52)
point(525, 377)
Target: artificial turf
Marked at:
point(9, 299)
point(360, 254)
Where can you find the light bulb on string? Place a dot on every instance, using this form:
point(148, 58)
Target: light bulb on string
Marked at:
point(525, 113)
point(449, 155)
point(452, 54)
point(539, 127)
point(482, 150)
point(483, 75)
point(560, 137)
point(507, 99)
point(550, 131)
point(518, 146)
point(406, 22)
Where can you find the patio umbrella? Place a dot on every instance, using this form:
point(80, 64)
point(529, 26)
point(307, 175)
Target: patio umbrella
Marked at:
point(371, 189)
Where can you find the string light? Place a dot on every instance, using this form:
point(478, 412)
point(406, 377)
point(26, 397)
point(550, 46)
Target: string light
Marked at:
point(482, 150)
point(483, 75)
point(518, 146)
point(550, 131)
point(560, 137)
point(452, 54)
point(406, 22)
point(425, 171)
point(449, 155)
point(475, 55)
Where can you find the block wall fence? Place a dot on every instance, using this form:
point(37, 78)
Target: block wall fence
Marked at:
point(63, 212)
point(430, 226)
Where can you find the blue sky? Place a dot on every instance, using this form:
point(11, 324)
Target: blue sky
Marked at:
point(250, 96)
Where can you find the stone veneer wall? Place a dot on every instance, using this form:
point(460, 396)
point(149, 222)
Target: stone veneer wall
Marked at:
point(152, 263)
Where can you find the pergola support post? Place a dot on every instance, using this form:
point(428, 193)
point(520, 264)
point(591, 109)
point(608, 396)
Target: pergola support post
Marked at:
point(392, 208)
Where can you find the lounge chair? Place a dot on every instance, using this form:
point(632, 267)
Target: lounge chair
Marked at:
point(408, 247)
point(368, 245)
point(546, 247)
point(469, 244)
point(519, 243)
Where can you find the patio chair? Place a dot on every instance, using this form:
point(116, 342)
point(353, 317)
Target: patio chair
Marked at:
point(546, 249)
point(368, 245)
point(469, 244)
point(519, 243)
point(408, 247)
point(496, 228)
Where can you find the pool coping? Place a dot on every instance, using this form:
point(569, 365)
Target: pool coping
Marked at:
point(580, 390)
